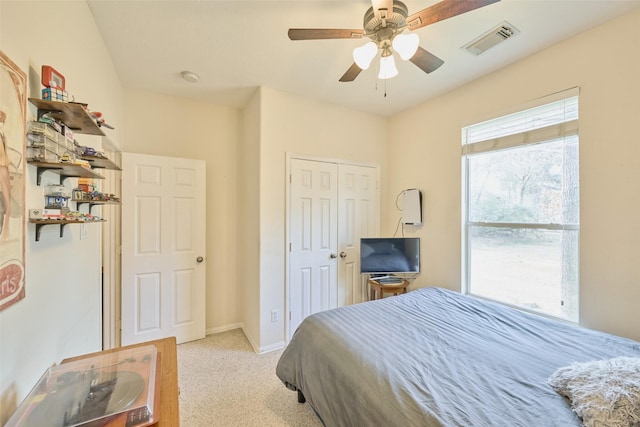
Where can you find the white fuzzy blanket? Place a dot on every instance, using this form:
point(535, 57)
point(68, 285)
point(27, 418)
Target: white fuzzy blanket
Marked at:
point(604, 393)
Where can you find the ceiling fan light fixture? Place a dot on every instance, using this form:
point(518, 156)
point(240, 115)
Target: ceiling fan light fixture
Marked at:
point(387, 68)
point(363, 55)
point(406, 45)
point(384, 23)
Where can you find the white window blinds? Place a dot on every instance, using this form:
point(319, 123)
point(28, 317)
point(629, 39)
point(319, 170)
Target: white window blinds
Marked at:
point(543, 123)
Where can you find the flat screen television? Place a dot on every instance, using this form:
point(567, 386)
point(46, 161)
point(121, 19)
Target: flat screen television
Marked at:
point(389, 255)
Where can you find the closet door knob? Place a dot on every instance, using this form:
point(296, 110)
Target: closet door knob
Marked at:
point(333, 256)
point(343, 254)
point(199, 259)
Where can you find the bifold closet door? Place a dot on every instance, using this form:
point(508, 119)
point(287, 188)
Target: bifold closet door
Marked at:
point(313, 239)
point(331, 205)
point(357, 217)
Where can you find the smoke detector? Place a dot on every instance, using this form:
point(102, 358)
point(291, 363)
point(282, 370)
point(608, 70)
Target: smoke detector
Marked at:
point(491, 38)
point(190, 76)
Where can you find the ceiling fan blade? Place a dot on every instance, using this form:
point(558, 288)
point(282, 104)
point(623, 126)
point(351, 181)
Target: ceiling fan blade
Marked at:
point(443, 10)
point(382, 8)
point(426, 60)
point(323, 33)
point(351, 73)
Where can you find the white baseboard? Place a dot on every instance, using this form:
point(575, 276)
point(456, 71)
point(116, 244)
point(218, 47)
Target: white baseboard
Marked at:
point(224, 328)
point(256, 348)
point(261, 350)
point(272, 347)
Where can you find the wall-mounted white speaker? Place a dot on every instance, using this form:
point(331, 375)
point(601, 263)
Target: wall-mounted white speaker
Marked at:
point(412, 207)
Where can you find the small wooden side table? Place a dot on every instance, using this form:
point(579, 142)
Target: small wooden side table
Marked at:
point(377, 288)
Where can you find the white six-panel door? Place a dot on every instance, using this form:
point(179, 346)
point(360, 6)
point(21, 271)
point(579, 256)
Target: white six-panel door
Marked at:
point(331, 205)
point(313, 239)
point(357, 217)
point(163, 248)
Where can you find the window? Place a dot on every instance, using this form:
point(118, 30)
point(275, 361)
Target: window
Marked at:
point(521, 209)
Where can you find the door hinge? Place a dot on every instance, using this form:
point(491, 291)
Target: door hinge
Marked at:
point(289, 246)
point(290, 179)
point(289, 315)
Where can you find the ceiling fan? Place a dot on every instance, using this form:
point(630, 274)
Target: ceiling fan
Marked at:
point(384, 23)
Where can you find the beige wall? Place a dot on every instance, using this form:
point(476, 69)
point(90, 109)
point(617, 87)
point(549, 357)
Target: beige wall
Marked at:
point(61, 314)
point(169, 126)
point(245, 153)
point(249, 213)
point(299, 125)
point(605, 64)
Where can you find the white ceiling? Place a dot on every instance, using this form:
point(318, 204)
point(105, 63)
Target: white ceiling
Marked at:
point(236, 46)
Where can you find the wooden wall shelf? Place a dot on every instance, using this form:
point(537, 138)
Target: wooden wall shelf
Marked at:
point(65, 170)
point(72, 114)
point(61, 222)
point(93, 203)
point(76, 117)
point(99, 162)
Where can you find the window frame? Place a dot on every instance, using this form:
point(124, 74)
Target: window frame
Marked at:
point(516, 141)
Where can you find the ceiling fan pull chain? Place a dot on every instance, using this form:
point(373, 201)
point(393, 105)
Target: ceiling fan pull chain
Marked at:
point(385, 87)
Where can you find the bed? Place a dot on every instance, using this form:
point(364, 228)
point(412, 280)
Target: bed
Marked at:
point(433, 357)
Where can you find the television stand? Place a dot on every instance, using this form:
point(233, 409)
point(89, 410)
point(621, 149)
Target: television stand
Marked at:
point(379, 286)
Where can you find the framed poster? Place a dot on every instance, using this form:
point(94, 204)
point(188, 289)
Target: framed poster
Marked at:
point(13, 116)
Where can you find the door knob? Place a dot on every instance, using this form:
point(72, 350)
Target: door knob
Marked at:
point(333, 256)
point(343, 254)
point(199, 259)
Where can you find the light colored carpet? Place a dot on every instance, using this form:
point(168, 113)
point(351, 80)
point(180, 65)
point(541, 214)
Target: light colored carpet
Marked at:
point(223, 382)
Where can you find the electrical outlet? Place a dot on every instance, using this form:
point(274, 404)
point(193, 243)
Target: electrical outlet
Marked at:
point(274, 315)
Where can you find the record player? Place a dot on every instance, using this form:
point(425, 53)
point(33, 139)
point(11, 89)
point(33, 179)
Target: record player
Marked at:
point(95, 392)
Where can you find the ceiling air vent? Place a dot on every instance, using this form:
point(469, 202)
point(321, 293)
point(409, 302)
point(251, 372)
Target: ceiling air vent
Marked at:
point(491, 38)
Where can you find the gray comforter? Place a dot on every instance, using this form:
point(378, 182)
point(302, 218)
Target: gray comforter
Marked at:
point(433, 357)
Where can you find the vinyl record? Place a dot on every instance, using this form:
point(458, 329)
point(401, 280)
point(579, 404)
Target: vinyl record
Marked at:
point(129, 386)
point(78, 400)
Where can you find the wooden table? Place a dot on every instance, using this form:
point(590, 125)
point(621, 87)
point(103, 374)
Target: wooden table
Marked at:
point(169, 416)
point(377, 288)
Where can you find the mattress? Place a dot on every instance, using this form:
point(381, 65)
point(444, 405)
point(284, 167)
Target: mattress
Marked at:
point(434, 357)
